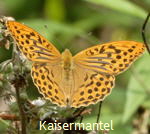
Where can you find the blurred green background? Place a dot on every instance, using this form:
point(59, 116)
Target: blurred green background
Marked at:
point(78, 24)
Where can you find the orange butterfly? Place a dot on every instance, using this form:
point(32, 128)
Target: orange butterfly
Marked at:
point(75, 81)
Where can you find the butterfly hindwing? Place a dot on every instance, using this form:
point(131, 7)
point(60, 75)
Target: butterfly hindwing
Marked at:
point(44, 79)
point(94, 88)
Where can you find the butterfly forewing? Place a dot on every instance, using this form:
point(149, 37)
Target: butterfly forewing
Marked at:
point(34, 46)
point(110, 58)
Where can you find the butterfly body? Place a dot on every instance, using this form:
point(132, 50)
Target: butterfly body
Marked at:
point(74, 81)
point(67, 74)
point(67, 64)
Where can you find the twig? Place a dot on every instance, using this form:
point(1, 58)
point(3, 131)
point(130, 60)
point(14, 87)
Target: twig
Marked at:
point(9, 117)
point(143, 33)
point(99, 111)
point(22, 114)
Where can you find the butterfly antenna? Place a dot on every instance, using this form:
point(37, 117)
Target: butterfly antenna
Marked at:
point(99, 112)
point(143, 33)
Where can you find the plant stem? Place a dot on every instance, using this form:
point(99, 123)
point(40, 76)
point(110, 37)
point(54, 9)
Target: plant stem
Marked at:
point(22, 114)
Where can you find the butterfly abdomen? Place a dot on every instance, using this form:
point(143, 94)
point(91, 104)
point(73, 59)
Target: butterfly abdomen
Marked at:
point(67, 78)
point(67, 64)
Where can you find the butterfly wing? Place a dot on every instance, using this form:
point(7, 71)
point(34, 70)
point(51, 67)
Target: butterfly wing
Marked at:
point(33, 45)
point(95, 68)
point(48, 81)
point(46, 68)
point(110, 58)
point(91, 87)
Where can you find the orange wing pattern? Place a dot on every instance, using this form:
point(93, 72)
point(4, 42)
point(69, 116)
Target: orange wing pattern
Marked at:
point(84, 79)
point(34, 46)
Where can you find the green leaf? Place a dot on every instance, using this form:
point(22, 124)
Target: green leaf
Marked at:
point(55, 10)
point(123, 6)
point(138, 88)
point(147, 104)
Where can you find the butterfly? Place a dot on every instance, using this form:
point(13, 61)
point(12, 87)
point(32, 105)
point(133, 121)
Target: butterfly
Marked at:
point(73, 81)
